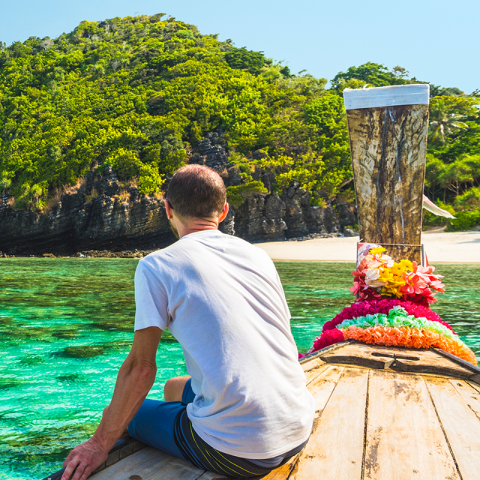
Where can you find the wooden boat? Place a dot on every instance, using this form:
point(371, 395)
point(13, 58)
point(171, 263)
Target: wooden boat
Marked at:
point(381, 413)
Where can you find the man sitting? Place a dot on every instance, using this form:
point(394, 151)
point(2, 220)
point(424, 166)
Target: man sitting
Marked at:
point(245, 408)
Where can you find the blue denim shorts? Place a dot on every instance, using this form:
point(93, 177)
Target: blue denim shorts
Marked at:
point(154, 423)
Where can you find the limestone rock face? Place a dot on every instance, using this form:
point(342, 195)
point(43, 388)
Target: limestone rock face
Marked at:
point(303, 219)
point(346, 214)
point(212, 152)
point(261, 217)
point(105, 222)
point(117, 221)
point(296, 205)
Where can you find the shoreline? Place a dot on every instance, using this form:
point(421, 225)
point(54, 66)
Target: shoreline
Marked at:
point(457, 247)
point(440, 248)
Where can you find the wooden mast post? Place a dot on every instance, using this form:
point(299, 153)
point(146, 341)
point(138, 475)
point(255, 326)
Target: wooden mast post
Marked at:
point(388, 141)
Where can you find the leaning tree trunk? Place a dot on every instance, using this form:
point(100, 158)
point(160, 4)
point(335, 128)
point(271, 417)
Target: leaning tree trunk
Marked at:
point(388, 141)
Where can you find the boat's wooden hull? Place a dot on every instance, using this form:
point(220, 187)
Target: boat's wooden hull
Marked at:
point(389, 413)
point(381, 413)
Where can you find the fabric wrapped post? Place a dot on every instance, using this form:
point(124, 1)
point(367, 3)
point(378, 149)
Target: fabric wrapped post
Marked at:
point(388, 140)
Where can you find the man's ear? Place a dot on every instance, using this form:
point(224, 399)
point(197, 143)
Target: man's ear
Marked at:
point(168, 209)
point(226, 208)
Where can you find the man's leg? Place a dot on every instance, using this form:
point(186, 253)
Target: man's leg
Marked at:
point(173, 390)
point(154, 423)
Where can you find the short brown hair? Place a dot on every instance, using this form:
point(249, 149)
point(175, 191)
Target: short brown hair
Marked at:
point(196, 191)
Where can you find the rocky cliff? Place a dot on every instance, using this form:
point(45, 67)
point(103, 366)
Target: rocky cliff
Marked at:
point(102, 215)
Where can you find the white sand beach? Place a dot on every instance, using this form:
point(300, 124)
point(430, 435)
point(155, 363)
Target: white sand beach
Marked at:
point(440, 247)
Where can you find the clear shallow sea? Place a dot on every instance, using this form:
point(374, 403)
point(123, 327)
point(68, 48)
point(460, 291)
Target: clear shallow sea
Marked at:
point(66, 326)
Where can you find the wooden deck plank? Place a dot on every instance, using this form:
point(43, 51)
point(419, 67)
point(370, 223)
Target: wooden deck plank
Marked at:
point(315, 363)
point(283, 472)
point(322, 386)
point(475, 386)
point(280, 473)
point(211, 476)
point(313, 369)
point(335, 449)
point(470, 396)
point(404, 436)
point(460, 424)
point(151, 464)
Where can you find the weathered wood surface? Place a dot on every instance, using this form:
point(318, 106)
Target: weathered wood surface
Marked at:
point(470, 396)
point(402, 360)
point(402, 425)
point(312, 369)
point(150, 464)
point(370, 424)
point(335, 448)
point(460, 424)
point(388, 148)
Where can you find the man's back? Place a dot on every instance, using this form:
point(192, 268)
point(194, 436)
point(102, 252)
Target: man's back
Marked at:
point(222, 299)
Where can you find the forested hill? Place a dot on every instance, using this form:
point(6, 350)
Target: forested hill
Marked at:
point(138, 94)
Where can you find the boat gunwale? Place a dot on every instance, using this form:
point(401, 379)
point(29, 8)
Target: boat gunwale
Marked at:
point(395, 364)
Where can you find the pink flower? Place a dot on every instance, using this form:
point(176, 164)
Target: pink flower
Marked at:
point(328, 337)
point(426, 274)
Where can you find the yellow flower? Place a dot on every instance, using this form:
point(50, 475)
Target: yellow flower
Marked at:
point(390, 290)
point(385, 275)
point(378, 250)
point(402, 267)
point(406, 265)
point(392, 277)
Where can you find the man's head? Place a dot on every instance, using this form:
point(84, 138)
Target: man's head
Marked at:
point(196, 199)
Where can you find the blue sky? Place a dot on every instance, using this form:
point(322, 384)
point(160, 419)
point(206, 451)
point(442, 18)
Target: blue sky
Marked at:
point(436, 41)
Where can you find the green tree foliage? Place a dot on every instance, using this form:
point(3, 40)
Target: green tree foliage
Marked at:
point(453, 166)
point(138, 93)
point(237, 195)
point(469, 201)
point(443, 121)
point(150, 181)
point(247, 60)
point(372, 74)
point(464, 221)
point(124, 162)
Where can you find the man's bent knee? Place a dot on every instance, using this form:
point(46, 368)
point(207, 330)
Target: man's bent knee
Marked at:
point(173, 390)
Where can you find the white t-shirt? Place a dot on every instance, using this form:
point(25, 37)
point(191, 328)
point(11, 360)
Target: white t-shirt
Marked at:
point(222, 299)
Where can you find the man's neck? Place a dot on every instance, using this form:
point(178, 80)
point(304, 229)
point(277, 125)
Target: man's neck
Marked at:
point(195, 226)
point(188, 231)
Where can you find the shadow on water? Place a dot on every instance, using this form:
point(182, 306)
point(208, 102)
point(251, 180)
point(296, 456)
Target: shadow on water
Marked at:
point(67, 325)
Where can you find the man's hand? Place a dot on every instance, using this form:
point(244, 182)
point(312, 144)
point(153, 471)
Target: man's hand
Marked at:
point(83, 460)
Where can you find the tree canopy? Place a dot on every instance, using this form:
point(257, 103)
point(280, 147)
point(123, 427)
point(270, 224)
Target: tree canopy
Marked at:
point(139, 93)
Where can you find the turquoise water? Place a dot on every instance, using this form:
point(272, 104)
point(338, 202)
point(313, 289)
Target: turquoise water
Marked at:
point(66, 326)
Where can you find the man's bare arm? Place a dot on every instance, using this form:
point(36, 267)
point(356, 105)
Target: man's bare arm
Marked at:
point(135, 379)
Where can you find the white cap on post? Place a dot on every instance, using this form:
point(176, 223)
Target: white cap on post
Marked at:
point(386, 96)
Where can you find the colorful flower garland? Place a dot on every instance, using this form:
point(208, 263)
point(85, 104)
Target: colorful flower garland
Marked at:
point(364, 308)
point(406, 322)
point(377, 275)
